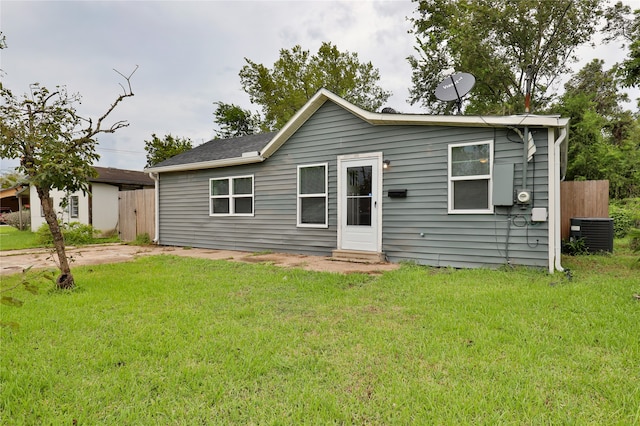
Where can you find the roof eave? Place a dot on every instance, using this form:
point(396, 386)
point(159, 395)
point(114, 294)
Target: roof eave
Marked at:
point(468, 120)
point(404, 119)
point(213, 164)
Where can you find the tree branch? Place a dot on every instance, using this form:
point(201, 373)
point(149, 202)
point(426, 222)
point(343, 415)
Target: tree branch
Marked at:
point(91, 132)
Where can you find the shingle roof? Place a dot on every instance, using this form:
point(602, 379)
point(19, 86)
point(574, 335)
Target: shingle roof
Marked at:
point(121, 177)
point(219, 149)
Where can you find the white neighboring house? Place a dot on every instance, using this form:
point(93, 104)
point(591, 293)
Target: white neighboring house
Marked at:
point(99, 207)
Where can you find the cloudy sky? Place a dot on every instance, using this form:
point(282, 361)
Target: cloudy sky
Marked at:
point(189, 55)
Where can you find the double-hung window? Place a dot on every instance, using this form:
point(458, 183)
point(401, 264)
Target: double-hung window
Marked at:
point(470, 170)
point(313, 196)
point(74, 206)
point(231, 196)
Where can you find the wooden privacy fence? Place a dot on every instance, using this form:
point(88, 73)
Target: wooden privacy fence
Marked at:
point(589, 198)
point(136, 215)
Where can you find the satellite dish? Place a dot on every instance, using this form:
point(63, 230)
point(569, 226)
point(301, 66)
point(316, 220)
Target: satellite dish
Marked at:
point(454, 87)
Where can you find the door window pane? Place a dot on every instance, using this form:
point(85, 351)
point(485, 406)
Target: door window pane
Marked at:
point(359, 180)
point(359, 211)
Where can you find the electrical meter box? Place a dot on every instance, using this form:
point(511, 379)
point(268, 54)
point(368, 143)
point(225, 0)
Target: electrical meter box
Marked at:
point(503, 184)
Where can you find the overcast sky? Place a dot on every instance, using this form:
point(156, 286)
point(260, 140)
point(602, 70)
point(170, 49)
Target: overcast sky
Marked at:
point(189, 55)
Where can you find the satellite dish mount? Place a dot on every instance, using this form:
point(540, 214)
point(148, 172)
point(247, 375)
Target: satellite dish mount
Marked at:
point(455, 87)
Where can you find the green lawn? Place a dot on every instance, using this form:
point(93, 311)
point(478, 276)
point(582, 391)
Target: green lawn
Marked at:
point(169, 340)
point(13, 239)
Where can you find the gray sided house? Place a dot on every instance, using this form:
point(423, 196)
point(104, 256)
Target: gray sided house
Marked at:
point(435, 190)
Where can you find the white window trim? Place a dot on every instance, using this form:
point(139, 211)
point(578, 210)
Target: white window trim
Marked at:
point(451, 179)
point(318, 195)
point(232, 196)
point(77, 206)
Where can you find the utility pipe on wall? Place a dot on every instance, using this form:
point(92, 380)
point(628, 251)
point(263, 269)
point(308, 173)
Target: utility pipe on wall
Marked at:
point(525, 157)
point(556, 201)
point(156, 179)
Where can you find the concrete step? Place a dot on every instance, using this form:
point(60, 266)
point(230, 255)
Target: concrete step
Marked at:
point(358, 256)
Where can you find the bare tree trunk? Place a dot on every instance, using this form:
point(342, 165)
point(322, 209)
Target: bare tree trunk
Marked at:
point(65, 280)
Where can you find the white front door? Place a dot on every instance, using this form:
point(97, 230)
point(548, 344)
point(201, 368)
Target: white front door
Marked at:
point(359, 195)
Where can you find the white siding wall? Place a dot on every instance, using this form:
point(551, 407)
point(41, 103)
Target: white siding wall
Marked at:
point(105, 207)
point(36, 209)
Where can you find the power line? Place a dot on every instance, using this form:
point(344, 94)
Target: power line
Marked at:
point(119, 150)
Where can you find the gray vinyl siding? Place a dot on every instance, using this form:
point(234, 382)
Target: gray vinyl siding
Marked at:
point(418, 157)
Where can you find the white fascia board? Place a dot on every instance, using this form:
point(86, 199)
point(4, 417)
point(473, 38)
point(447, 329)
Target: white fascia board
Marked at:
point(213, 164)
point(404, 119)
point(469, 120)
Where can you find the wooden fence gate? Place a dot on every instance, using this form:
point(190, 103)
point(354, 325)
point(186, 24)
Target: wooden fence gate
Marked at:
point(589, 198)
point(136, 214)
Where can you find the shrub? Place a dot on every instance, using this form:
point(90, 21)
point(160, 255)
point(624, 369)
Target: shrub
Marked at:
point(75, 233)
point(625, 216)
point(574, 247)
point(634, 244)
point(142, 240)
point(13, 219)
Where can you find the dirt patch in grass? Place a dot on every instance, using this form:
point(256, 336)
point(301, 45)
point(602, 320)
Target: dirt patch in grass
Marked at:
point(15, 261)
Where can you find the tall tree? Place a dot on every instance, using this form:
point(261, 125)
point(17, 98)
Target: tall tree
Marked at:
point(605, 139)
point(56, 148)
point(624, 26)
point(297, 75)
point(235, 121)
point(159, 150)
point(10, 179)
point(495, 40)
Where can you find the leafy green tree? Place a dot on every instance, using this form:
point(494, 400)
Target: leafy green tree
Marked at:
point(10, 179)
point(495, 40)
point(159, 150)
point(605, 139)
point(56, 148)
point(297, 75)
point(235, 121)
point(623, 25)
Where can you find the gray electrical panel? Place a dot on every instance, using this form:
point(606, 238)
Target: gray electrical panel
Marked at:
point(503, 184)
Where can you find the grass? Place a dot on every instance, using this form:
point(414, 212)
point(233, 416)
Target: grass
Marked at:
point(171, 340)
point(13, 239)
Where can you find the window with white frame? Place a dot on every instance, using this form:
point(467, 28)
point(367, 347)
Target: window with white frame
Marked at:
point(73, 206)
point(313, 196)
point(232, 196)
point(470, 169)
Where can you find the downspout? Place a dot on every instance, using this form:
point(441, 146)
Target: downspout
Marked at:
point(156, 180)
point(556, 199)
